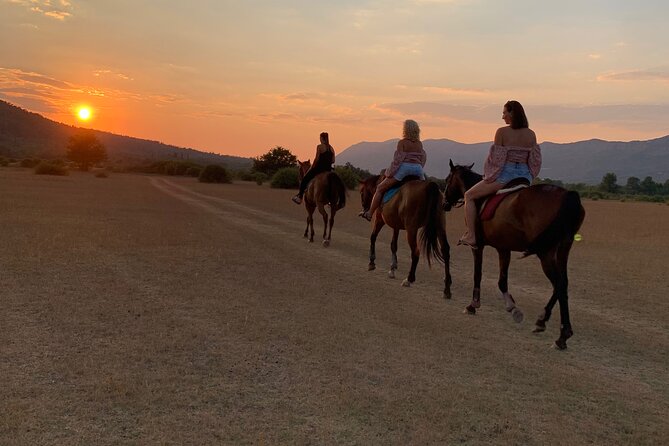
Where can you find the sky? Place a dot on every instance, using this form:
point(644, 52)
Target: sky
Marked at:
point(240, 77)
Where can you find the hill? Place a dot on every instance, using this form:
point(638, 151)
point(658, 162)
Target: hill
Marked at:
point(26, 134)
point(578, 162)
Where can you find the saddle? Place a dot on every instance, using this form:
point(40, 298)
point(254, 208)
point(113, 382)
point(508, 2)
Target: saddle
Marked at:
point(390, 193)
point(490, 203)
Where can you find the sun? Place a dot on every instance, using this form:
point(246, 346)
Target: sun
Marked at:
point(84, 113)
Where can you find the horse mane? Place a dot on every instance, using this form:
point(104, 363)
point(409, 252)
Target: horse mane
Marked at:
point(469, 177)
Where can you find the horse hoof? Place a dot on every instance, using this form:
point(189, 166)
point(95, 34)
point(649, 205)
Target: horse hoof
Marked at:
point(391, 274)
point(371, 267)
point(326, 243)
point(469, 310)
point(406, 283)
point(539, 329)
point(517, 315)
point(447, 295)
point(560, 345)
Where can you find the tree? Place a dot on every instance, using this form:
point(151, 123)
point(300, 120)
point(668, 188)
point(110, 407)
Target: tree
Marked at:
point(85, 150)
point(648, 186)
point(272, 161)
point(633, 185)
point(609, 183)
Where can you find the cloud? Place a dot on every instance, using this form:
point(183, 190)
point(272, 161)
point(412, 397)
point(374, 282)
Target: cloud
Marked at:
point(58, 10)
point(457, 91)
point(637, 75)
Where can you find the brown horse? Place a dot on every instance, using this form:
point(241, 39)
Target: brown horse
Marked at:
point(417, 204)
point(541, 220)
point(325, 189)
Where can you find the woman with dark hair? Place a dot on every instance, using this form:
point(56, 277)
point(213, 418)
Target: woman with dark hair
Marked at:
point(514, 154)
point(409, 159)
point(325, 157)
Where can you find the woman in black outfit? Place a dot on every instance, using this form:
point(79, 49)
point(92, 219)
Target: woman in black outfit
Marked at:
point(325, 157)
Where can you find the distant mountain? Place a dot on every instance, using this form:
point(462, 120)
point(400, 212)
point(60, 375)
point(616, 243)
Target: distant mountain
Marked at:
point(578, 162)
point(26, 134)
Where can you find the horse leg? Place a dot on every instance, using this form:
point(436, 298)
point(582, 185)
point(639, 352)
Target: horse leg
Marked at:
point(446, 254)
point(412, 235)
point(310, 222)
point(549, 266)
point(326, 242)
point(476, 293)
point(503, 284)
point(566, 331)
point(393, 253)
point(324, 214)
point(378, 224)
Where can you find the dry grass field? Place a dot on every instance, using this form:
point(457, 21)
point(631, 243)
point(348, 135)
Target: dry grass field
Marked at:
point(155, 310)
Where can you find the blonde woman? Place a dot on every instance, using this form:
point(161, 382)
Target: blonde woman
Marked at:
point(409, 159)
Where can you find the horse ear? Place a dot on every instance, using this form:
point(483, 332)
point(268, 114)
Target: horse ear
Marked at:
point(471, 165)
point(450, 163)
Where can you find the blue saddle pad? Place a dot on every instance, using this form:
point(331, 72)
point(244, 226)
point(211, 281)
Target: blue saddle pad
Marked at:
point(390, 193)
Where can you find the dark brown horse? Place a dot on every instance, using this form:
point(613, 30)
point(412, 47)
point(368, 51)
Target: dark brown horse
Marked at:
point(417, 204)
point(541, 220)
point(325, 189)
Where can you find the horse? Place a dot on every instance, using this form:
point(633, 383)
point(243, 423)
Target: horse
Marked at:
point(325, 189)
point(417, 204)
point(540, 219)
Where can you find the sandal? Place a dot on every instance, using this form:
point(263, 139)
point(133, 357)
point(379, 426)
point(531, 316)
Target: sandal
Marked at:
point(464, 243)
point(366, 215)
point(297, 199)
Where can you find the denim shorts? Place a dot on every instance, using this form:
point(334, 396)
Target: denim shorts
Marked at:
point(514, 170)
point(409, 169)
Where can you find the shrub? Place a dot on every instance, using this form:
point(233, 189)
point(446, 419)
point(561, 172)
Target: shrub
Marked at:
point(260, 178)
point(350, 178)
point(213, 173)
point(194, 171)
point(29, 162)
point(285, 178)
point(50, 168)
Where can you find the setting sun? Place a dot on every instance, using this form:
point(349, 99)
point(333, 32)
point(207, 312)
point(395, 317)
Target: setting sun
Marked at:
point(84, 113)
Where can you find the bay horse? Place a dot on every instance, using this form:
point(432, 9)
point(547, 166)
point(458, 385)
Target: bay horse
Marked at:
point(325, 189)
point(540, 219)
point(418, 204)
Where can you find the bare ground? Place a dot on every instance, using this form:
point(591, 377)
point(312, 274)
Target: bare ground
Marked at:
point(155, 310)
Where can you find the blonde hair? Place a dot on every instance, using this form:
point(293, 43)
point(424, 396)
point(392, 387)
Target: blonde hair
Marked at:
point(411, 130)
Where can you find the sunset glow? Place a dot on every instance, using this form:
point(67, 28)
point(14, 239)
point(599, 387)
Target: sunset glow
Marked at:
point(242, 77)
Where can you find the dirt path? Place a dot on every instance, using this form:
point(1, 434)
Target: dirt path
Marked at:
point(150, 310)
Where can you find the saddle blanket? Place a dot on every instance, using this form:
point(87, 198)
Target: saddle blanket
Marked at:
point(491, 203)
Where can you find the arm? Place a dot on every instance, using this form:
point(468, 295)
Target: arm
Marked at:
point(494, 163)
point(398, 157)
point(499, 140)
point(534, 161)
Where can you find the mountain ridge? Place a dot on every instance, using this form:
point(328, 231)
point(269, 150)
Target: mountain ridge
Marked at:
point(27, 134)
point(575, 162)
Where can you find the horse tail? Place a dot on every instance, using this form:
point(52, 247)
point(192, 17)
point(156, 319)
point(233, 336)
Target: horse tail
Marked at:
point(434, 224)
point(563, 227)
point(337, 191)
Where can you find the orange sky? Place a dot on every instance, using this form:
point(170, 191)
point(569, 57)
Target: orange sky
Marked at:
point(242, 77)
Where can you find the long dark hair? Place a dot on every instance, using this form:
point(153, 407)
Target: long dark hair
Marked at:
point(518, 118)
point(326, 139)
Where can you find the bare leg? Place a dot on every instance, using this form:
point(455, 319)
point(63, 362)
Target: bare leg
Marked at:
point(479, 190)
point(378, 195)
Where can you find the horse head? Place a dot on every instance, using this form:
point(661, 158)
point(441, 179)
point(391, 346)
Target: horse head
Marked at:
point(457, 182)
point(303, 167)
point(367, 189)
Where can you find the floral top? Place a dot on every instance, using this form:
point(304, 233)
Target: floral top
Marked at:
point(500, 155)
point(405, 157)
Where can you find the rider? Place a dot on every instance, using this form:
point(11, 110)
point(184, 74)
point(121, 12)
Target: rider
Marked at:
point(514, 154)
point(409, 159)
point(325, 157)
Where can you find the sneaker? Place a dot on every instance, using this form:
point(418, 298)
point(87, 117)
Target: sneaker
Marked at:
point(297, 199)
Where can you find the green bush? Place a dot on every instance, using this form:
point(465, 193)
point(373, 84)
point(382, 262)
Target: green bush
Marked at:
point(285, 178)
point(213, 173)
point(350, 178)
point(260, 178)
point(50, 168)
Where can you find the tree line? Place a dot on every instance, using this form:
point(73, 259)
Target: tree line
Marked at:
point(634, 189)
